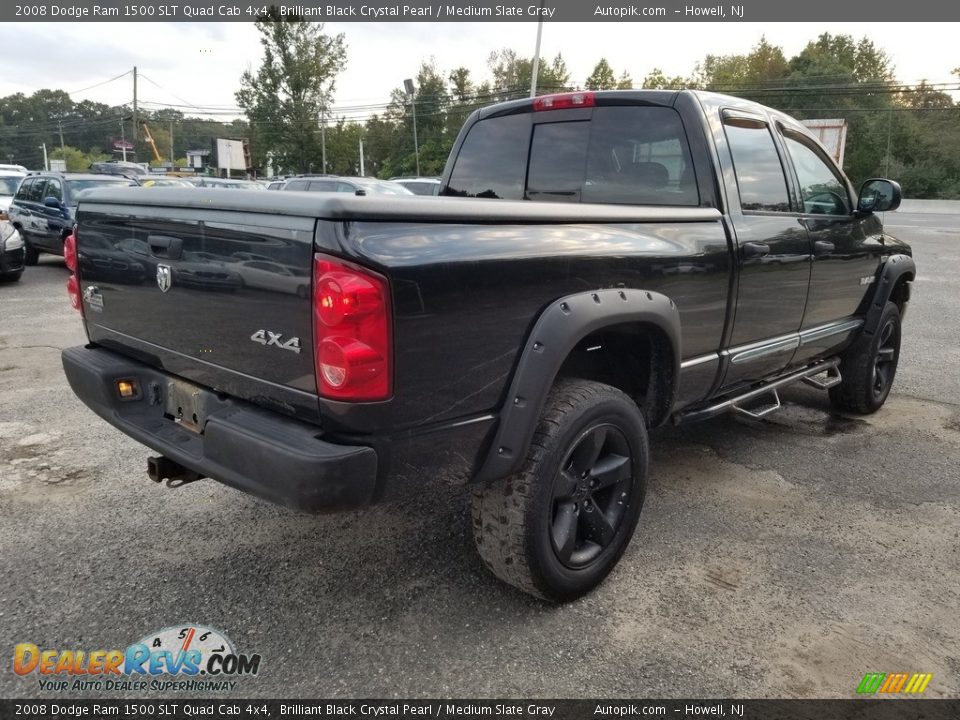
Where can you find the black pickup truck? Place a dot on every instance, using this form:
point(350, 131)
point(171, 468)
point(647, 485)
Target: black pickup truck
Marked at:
point(599, 264)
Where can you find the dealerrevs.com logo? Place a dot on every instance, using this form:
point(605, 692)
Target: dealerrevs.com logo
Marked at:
point(180, 658)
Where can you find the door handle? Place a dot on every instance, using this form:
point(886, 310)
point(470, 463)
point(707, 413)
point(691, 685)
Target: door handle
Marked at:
point(822, 247)
point(755, 250)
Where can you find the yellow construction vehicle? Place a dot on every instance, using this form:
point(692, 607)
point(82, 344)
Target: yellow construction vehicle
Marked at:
point(146, 132)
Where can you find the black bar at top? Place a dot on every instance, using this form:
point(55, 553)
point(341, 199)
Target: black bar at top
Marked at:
point(52, 707)
point(484, 11)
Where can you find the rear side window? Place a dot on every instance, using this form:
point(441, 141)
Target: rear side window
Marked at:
point(323, 186)
point(295, 185)
point(621, 155)
point(32, 189)
point(760, 178)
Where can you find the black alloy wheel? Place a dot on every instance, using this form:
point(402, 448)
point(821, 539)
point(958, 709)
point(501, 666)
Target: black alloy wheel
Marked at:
point(590, 495)
point(884, 365)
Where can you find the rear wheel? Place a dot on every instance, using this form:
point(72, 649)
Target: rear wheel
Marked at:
point(869, 366)
point(560, 525)
point(11, 277)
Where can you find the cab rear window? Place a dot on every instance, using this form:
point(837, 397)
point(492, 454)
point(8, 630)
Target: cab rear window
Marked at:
point(620, 155)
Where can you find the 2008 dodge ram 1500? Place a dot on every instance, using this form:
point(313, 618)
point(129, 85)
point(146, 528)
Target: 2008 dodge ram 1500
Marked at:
point(643, 257)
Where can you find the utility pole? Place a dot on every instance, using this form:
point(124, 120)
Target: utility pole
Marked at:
point(136, 126)
point(536, 55)
point(63, 150)
point(172, 156)
point(46, 163)
point(323, 138)
point(411, 91)
point(361, 158)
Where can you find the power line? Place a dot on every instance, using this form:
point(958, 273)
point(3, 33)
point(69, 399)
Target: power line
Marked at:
point(91, 87)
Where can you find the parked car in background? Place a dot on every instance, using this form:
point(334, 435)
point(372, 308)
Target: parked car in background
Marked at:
point(45, 204)
point(353, 185)
point(165, 181)
point(272, 276)
point(11, 251)
point(4, 168)
point(419, 185)
point(225, 183)
point(118, 167)
point(9, 182)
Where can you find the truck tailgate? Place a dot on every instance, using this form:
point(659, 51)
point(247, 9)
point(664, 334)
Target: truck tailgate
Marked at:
point(216, 296)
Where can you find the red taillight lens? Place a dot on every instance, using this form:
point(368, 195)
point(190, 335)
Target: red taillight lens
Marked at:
point(70, 251)
point(563, 101)
point(73, 290)
point(351, 331)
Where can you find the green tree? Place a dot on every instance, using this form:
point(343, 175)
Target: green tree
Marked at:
point(285, 99)
point(602, 77)
point(657, 80)
point(512, 74)
point(77, 160)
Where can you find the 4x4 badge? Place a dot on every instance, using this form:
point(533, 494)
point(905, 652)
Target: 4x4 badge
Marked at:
point(265, 337)
point(164, 277)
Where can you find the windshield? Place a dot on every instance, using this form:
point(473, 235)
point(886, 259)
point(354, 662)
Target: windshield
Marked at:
point(9, 184)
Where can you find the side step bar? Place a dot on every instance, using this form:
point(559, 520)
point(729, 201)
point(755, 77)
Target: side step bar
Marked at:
point(831, 367)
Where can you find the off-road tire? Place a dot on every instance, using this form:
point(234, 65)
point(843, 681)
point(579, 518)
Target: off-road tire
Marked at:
point(869, 366)
point(514, 518)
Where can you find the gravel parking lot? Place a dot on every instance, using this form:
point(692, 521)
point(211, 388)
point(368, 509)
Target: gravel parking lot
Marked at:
point(778, 558)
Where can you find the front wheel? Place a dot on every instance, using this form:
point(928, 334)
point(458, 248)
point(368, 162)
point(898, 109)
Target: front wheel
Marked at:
point(869, 366)
point(559, 526)
point(30, 254)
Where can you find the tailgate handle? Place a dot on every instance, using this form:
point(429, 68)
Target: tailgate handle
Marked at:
point(164, 246)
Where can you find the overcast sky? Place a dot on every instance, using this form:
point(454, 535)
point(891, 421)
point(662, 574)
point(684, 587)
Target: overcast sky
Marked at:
point(201, 63)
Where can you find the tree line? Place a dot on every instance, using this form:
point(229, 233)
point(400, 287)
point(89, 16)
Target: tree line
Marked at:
point(84, 132)
point(908, 132)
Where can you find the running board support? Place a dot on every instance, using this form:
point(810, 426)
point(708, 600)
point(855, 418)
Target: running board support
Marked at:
point(831, 367)
point(832, 378)
point(760, 412)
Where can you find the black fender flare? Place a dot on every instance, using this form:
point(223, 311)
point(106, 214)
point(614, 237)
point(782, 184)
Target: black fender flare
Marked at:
point(894, 268)
point(557, 331)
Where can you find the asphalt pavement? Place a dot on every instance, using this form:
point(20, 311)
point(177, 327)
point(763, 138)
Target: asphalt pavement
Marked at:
point(786, 557)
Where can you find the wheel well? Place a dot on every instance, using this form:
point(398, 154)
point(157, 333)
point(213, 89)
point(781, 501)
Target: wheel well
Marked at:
point(901, 292)
point(636, 358)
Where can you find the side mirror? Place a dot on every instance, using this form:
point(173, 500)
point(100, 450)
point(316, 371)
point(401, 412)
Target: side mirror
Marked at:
point(52, 202)
point(360, 191)
point(879, 195)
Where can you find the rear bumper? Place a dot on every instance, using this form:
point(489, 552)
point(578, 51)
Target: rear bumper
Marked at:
point(257, 451)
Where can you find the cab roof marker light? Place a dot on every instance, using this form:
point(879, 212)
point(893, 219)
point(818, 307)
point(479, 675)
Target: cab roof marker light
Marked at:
point(563, 101)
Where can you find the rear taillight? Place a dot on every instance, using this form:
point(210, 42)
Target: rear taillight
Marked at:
point(73, 290)
point(351, 331)
point(563, 101)
point(70, 258)
point(70, 252)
